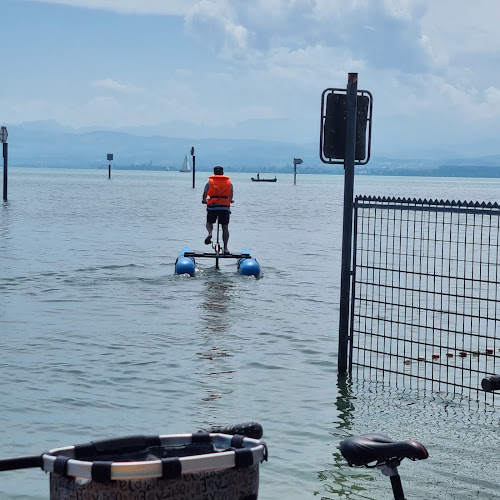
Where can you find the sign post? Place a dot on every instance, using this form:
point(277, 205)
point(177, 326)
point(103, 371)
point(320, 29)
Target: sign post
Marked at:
point(5, 147)
point(194, 164)
point(345, 274)
point(296, 161)
point(110, 159)
point(345, 137)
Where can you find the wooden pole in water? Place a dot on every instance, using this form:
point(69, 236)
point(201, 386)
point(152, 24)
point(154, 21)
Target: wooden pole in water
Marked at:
point(5, 163)
point(296, 161)
point(345, 275)
point(110, 159)
point(194, 165)
point(5, 147)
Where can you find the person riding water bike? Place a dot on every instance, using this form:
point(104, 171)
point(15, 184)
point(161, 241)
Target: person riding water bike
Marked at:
point(218, 196)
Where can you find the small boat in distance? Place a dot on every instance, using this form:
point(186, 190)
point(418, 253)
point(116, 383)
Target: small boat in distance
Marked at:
point(185, 165)
point(258, 179)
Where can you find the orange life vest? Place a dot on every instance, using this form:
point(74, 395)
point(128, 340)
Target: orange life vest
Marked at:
point(219, 190)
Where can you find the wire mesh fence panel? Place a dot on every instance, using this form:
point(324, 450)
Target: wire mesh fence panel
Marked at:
point(425, 293)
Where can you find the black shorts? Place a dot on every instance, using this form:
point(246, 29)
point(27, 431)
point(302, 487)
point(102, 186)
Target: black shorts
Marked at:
point(223, 216)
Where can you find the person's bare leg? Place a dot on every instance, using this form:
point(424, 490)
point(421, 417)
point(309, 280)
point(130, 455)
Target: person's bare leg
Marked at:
point(210, 228)
point(225, 236)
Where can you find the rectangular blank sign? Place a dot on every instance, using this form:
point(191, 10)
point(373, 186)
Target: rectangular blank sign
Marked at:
point(335, 126)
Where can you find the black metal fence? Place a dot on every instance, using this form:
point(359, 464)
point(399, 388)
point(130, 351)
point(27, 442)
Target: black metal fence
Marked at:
point(425, 304)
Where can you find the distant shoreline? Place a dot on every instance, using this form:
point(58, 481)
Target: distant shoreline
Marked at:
point(472, 171)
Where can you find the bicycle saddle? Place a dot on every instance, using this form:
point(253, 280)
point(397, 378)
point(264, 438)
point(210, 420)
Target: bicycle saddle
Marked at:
point(361, 450)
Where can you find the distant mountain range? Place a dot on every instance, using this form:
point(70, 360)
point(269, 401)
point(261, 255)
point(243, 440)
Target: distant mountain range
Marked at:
point(49, 144)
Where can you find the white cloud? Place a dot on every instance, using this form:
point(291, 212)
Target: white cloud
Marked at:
point(212, 21)
point(455, 28)
point(109, 83)
point(411, 45)
point(386, 33)
point(166, 7)
point(437, 55)
point(403, 9)
point(476, 105)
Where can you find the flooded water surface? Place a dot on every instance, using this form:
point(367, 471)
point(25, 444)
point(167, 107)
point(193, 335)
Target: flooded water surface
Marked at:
point(100, 339)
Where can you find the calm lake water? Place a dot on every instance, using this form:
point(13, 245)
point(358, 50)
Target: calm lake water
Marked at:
point(100, 339)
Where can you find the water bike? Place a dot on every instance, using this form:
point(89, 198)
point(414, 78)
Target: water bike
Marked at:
point(245, 262)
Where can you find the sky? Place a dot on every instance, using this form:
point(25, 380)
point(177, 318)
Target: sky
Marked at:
point(256, 68)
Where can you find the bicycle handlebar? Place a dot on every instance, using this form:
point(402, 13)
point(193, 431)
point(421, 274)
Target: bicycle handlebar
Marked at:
point(251, 430)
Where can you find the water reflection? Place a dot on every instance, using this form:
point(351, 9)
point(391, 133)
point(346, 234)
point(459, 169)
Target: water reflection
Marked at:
point(216, 299)
point(216, 370)
point(342, 480)
point(5, 227)
point(344, 403)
